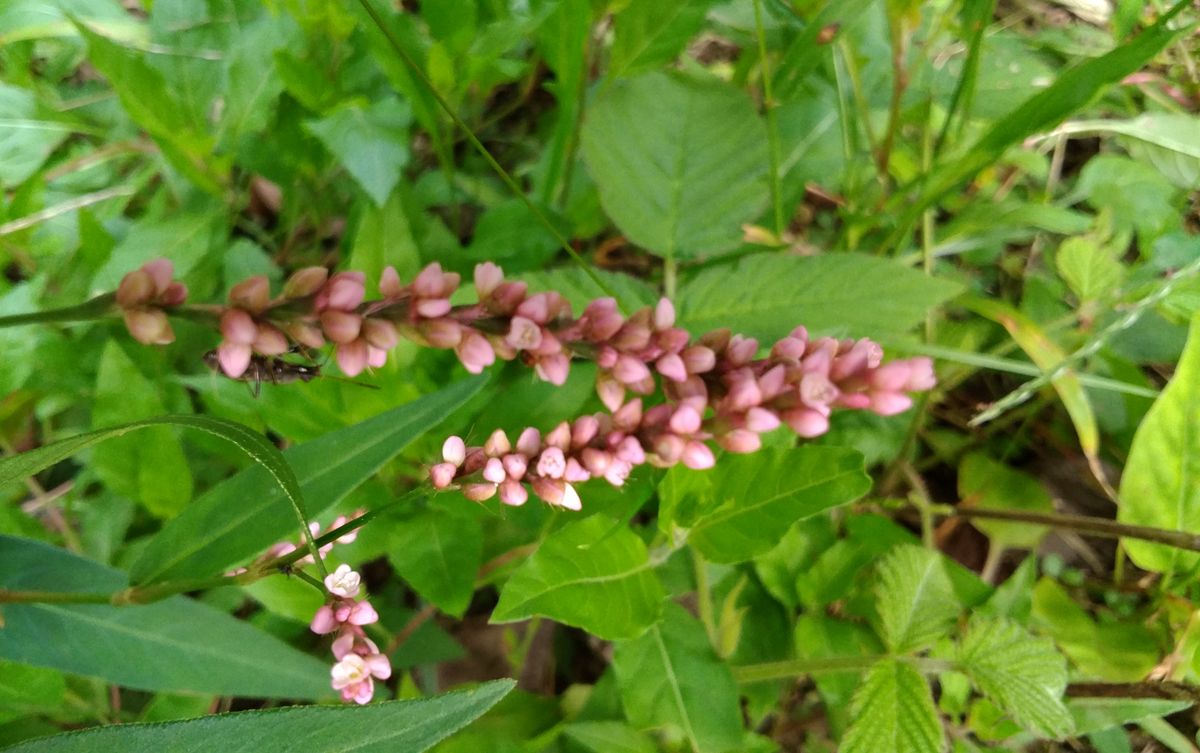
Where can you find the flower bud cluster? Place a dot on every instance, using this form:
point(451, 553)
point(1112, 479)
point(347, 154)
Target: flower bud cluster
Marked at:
point(142, 297)
point(358, 660)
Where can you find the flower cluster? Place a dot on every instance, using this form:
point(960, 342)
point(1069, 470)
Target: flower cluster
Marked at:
point(359, 662)
point(284, 548)
point(142, 297)
point(725, 395)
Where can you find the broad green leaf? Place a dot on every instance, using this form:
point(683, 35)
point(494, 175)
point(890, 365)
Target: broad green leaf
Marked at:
point(27, 134)
point(438, 551)
point(987, 483)
point(1091, 270)
point(385, 237)
point(679, 162)
point(1023, 675)
point(747, 502)
point(594, 574)
point(671, 677)
point(370, 142)
point(22, 20)
point(26, 690)
point(893, 711)
point(609, 737)
point(649, 35)
point(409, 726)
point(250, 93)
point(148, 467)
point(1136, 195)
point(1093, 714)
point(177, 644)
point(1071, 91)
point(1161, 483)
point(915, 598)
point(271, 463)
point(242, 516)
point(1171, 143)
point(1047, 355)
point(842, 295)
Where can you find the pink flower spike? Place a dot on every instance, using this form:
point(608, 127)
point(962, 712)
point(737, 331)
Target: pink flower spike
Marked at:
point(234, 359)
point(536, 308)
point(629, 416)
point(380, 333)
point(816, 390)
point(789, 349)
point(323, 622)
point(343, 582)
point(550, 490)
point(362, 613)
point(441, 333)
point(698, 456)
point(352, 357)
point(743, 394)
point(513, 494)
point(488, 277)
point(175, 294)
point(595, 460)
point(343, 645)
point(575, 472)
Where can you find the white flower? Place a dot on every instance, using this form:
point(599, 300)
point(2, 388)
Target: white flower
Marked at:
point(343, 582)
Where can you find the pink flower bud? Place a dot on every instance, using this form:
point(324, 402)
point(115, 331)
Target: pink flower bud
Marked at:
point(816, 390)
point(559, 436)
point(633, 335)
point(697, 456)
point(344, 291)
point(672, 367)
point(699, 359)
point(806, 422)
point(789, 349)
point(252, 294)
point(922, 377)
point(341, 326)
point(550, 490)
point(323, 621)
point(513, 493)
point(380, 333)
point(161, 271)
point(601, 320)
point(595, 460)
point(442, 475)
point(488, 277)
point(454, 450)
point(535, 308)
point(890, 403)
point(611, 392)
point(669, 448)
point(890, 377)
point(479, 492)
point(238, 327)
point(618, 472)
point(429, 281)
point(506, 297)
point(234, 358)
point(389, 283)
point(305, 282)
point(584, 430)
point(629, 369)
point(740, 441)
point(743, 394)
point(515, 466)
point(175, 294)
point(441, 333)
point(149, 326)
point(741, 350)
point(628, 416)
point(761, 420)
point(432, 308)
point(553, 369)
point(494, 471)
point(136, 288)
point(530, 442)
point(475, 352)
point(362, 613)
point(772, 384)
point(497, 444)
point(523, 333)
point(352, 357)
point(630, 451)
point(575, 473)
point(855, 400)
point(664, 314)
point(270, 341)
point(304, 333)
point(376, 357)
point(551, 463)
point(686, 420)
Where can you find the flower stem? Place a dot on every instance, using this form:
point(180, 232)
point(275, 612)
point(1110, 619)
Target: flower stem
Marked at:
point(100, 306)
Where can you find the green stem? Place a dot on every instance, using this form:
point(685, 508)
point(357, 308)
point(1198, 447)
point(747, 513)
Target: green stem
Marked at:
point(704, 604)
point(483, 150)
point(772, 126)
point(97, 307)
point(784, 670)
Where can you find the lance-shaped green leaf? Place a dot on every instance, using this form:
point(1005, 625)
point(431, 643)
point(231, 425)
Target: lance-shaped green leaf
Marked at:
point(680, 163)
point(1161, 483)
point(670, 676)
point(173, 645)
point(438, 552)
point(987, 483)
point(747, 502)
point(594, 574)
point(916, 599)
point(894, 711)
point(842, 295)
point(242, 516)
point(409, 726)
point(1023, 675)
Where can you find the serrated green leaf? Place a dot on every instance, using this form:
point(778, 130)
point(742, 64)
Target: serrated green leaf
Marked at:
point(680, 163)
point(671, 677)
point(177, 644)
point(893, 711)
point(1091, 271)
point(594, 574)
point(370, 142)
point(916, 598)
point(842, 295)
point(990, 484)
point(438, 552)
point(747, 502)
point(242, 516)
point(409, 726)
point(1023, 675)
point(649, 35)
point(1161, 483)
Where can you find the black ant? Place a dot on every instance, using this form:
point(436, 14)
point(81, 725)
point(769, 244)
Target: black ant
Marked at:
point(276, 370)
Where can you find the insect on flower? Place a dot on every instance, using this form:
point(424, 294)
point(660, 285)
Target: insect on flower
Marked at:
point(276, 370)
